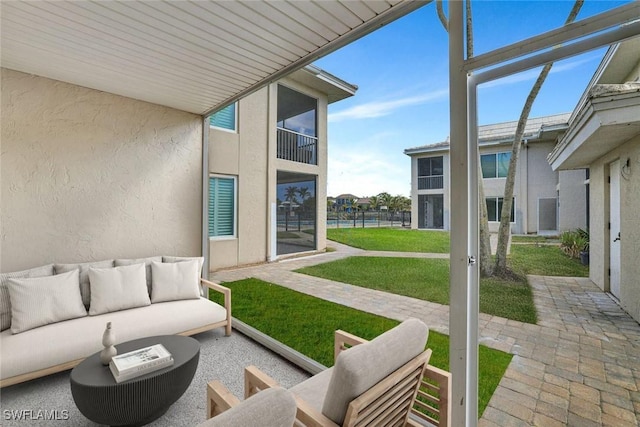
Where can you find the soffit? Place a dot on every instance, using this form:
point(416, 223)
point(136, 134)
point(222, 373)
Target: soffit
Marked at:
point(194, 56)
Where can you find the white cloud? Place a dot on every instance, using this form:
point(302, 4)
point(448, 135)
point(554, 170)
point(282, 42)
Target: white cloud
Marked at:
point(368, 172)
point(383, 108)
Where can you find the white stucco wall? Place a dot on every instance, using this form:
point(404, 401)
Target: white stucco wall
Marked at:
point(87, 175)
point(600, 235)
point(573, 196)
point(541, 181)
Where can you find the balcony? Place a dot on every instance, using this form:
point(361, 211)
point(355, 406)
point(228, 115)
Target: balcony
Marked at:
point(297, 147)
point(431, 182)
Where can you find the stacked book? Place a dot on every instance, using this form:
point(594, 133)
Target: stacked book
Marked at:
point(139, 362)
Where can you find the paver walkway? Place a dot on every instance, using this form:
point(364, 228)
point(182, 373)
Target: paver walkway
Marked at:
point(579, 366)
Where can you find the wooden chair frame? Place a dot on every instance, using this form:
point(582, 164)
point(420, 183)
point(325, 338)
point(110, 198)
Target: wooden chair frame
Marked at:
point(430, 403)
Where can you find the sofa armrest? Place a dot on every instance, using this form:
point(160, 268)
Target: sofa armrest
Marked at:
point(219, 399)
point(226, 293)
point(344, 340)
point(255, 380)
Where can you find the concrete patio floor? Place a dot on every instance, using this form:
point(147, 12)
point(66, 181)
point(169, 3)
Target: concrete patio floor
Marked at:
point(579, 366)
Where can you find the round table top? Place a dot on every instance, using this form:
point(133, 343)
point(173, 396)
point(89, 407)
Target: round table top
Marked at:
point(91, 372)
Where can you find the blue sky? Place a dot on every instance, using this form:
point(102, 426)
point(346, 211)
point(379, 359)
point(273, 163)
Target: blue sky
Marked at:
point(401, 72)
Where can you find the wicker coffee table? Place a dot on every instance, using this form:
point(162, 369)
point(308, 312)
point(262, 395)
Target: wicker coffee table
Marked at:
point(140, 400)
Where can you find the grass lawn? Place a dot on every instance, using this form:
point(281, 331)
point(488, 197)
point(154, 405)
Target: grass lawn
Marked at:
point(545, 260)
point(306, 324)
point(427, 279)
point(392, 239)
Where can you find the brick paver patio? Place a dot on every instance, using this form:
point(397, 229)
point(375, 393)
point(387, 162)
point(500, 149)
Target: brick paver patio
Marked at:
point(579, 366)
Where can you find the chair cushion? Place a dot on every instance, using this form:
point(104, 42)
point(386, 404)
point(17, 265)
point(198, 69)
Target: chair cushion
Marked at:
point(117, 288)
point(43, 300)
point(175, 281)
point(314, 390)
point(168, 259)
point(361, 367)
point(146, 261)
point(85, 290)
point(273, 407)
point(5, 301)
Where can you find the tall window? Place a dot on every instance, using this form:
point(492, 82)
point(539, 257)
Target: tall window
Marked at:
point(430, 173)
point(495, 165)
point(225, 118)
point(494, 208)
point(297, 126)
point(222, 206)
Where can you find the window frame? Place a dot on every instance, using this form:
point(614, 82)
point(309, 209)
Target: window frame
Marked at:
point(235, 119)
point(495, 161)
point(234, 235)
point(499, 211)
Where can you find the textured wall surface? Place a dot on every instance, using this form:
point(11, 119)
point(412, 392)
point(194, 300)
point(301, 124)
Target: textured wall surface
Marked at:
point(541, 181)
point(87, 175)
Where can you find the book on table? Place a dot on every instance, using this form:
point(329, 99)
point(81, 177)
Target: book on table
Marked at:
point(139, 362)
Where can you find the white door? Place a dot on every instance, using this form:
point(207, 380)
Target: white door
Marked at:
point(614, 234)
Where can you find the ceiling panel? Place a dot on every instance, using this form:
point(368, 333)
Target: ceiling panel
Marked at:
point(196, 56)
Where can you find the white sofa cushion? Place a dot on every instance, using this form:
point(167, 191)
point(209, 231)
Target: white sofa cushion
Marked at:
point(85, 290)
point(79, 338)
point(5, 301)
point(175, 281)
point(43, 300)
point(117, 288)
point(146, 261)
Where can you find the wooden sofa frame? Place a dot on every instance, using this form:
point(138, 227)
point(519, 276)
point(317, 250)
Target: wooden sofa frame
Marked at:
point(431, 403)
point(226, 292)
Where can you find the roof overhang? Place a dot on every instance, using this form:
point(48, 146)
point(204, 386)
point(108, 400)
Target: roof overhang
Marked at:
point(603, 124)
point(335, 88)
point(193, 56)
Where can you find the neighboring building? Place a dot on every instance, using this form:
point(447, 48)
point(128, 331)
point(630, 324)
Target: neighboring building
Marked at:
point(604, 136)
point(546, 202)
point(344, 201)
point(268, 170)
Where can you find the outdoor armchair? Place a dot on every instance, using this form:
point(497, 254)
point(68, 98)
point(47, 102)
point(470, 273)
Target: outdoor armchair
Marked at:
point(275, 407)
point(372, 383)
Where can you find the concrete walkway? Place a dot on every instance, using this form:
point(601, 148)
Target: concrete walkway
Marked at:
point(579, 366)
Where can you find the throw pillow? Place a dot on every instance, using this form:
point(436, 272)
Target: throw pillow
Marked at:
point(5, 301)
point(85, 290)
point(117, 288)
point(43, 300)
point(203, 291)
point(147, 263)
point(175, 281)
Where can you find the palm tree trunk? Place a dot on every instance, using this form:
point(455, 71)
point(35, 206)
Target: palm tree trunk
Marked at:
point(505, 220)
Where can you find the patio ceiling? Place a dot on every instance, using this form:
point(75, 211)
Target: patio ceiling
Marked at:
point(193, 56)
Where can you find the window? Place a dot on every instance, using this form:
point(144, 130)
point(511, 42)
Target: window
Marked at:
point(430, 173)
point(225, 118)
point(494, 208)
point(495, 165)
point(222, 206)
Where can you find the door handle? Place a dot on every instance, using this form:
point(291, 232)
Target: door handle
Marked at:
point(617, 238)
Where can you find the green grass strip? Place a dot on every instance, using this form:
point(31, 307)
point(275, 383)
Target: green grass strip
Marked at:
point(392, 239)
point(427, 279)
point(307, 324)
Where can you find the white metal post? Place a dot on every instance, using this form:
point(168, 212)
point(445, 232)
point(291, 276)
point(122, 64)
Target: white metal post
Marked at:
point(473, 280)
point(461, 406)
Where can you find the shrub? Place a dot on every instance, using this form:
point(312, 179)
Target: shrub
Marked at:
point(573, 242)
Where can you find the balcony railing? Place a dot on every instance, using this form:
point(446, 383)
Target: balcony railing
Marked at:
point(430, 182)
point(297, 147)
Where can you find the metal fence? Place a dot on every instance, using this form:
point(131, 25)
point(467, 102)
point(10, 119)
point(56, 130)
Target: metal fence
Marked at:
point(368, 219)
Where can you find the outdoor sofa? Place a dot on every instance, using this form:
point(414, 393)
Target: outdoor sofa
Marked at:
point(52, 317)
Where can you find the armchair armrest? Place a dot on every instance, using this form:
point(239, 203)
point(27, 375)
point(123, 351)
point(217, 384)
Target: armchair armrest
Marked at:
point(219, 399)
point(255, 380)
point(434, 397)
point(226, 293)
point(344, 340)
point(310, 416)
